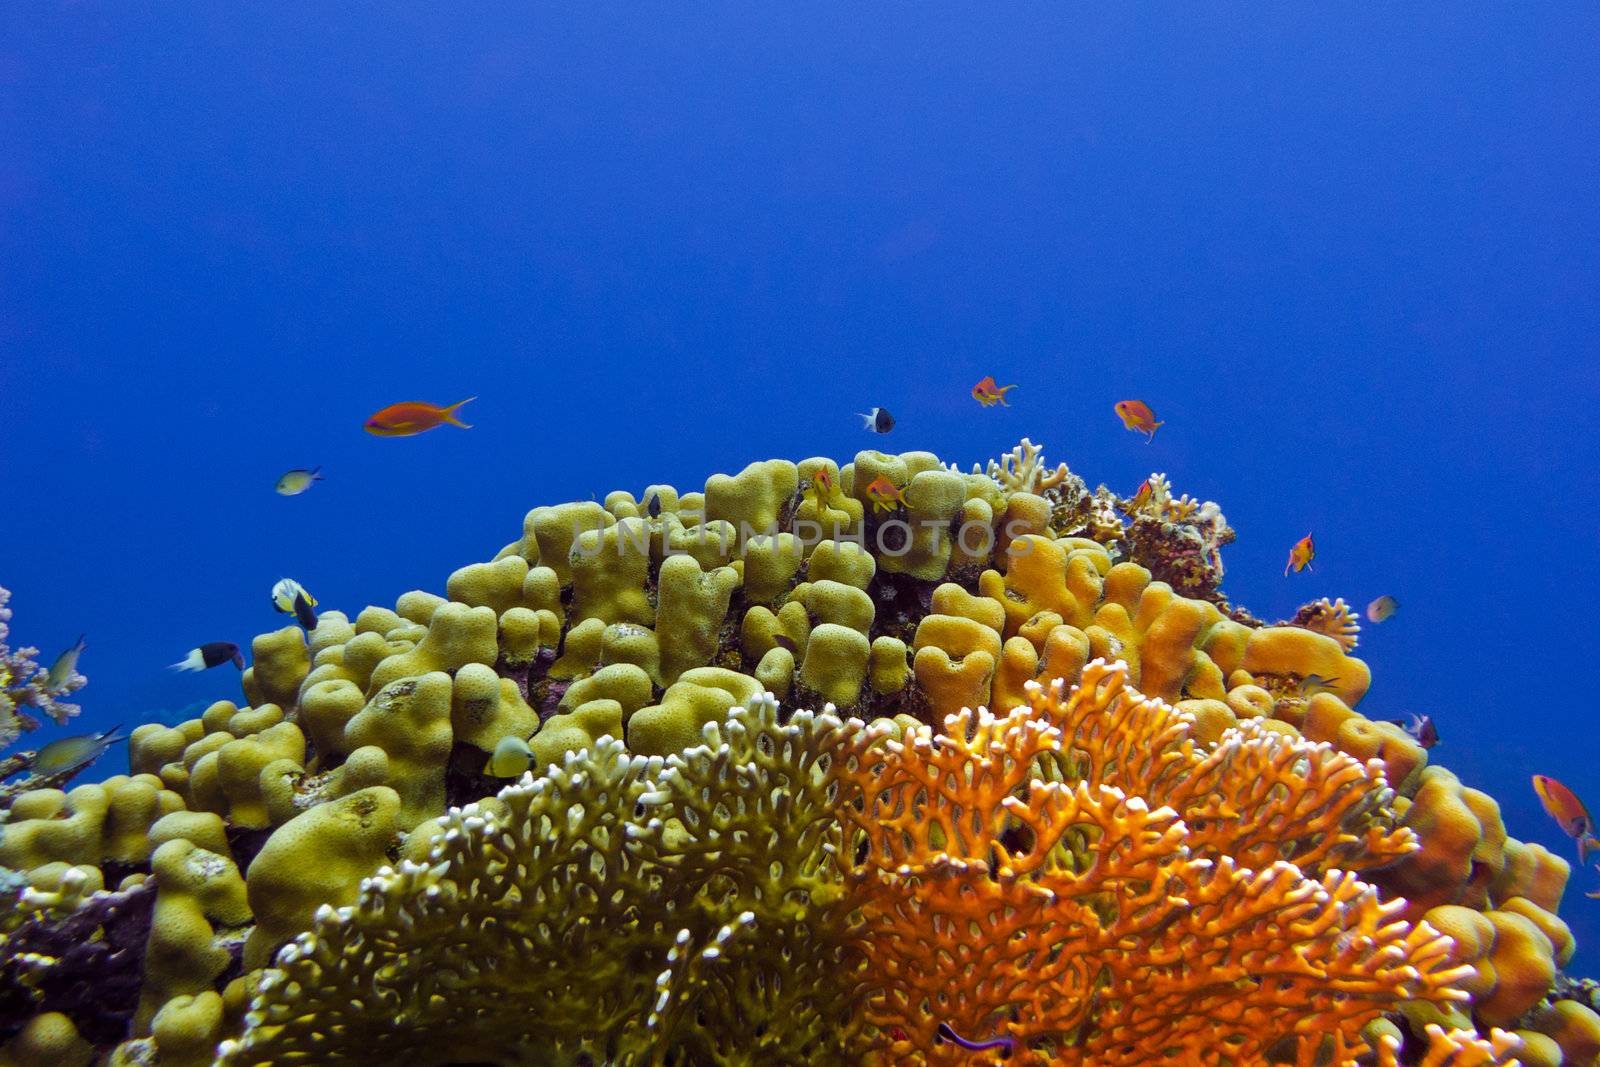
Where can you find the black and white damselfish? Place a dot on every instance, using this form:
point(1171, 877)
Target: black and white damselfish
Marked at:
point(212, 654)
point(878, 420)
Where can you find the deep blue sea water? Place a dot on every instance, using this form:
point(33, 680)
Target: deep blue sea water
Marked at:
point(1349, 257)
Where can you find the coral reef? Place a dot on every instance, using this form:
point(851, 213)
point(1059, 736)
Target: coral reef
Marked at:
point(768, 820)
point(27, 690)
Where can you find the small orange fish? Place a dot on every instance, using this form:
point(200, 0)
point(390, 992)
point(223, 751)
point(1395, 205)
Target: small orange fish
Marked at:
point(822, 487)
point(1568, 811)
point(413, 417)
point(1136, 415)
point(989, 394)
point(883, 494)
point(1300, 556)
point(1141, 496)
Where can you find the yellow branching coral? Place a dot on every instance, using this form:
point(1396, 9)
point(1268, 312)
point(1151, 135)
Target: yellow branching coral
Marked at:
point(1045, 888)
point(554, 922)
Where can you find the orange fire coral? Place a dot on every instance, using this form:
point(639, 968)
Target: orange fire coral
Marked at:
point(1079, 881)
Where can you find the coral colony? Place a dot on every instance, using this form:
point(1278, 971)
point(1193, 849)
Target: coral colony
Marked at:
point(990, 771)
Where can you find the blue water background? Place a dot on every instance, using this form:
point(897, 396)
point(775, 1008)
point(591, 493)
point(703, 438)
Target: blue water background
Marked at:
point(1349, 257)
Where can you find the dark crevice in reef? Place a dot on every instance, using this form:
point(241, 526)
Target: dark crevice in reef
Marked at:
point(464, 780)
point(100, 953)
point(245, 843)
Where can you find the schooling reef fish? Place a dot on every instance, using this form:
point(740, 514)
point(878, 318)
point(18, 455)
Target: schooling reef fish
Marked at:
point(1382, 608)
point(883, 494)
point(212, 654)
point(1136, 415)
point(989, 394)
point(1568, 811)
point(297, 481)
point(1300, 556)
point(413, 417)
point(291, 598)
point(70, 753)
point(878, 420)
point(62, 669)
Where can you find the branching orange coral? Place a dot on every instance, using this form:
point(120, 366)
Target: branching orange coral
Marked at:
point(1077, 879)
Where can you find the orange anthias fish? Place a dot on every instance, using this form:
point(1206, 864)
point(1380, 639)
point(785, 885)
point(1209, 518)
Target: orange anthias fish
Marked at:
point(989, 394)
point(1300, 556)
point(1141, 496)
point(413, 417)
point(1568, 811)
point(822, 486)
point(883, 494)
point(1136, 415)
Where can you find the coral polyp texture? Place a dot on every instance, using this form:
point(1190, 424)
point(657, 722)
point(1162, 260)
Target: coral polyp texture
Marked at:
point(993, 771)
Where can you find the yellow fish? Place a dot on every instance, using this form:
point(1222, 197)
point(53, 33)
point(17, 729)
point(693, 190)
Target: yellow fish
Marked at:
point(297, 481)
point(511, 757)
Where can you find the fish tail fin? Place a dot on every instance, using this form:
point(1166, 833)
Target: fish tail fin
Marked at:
point(1586, 844)
point(191, 662)
point(316, 473)
point(450, 413)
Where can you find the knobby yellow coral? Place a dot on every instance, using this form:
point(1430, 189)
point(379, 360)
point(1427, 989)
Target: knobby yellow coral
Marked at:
point(630, 909)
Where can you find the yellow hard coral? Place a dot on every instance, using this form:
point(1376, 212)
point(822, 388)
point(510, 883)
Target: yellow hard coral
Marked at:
point(456, 636)
point(696, 931)
point(200, 897)
point(90, 825)
point(700, 696)
point(280, 661)
point(755, 498)
point(694, 605)
point(410, 721)
point(315, 859)
point(48, 1040)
